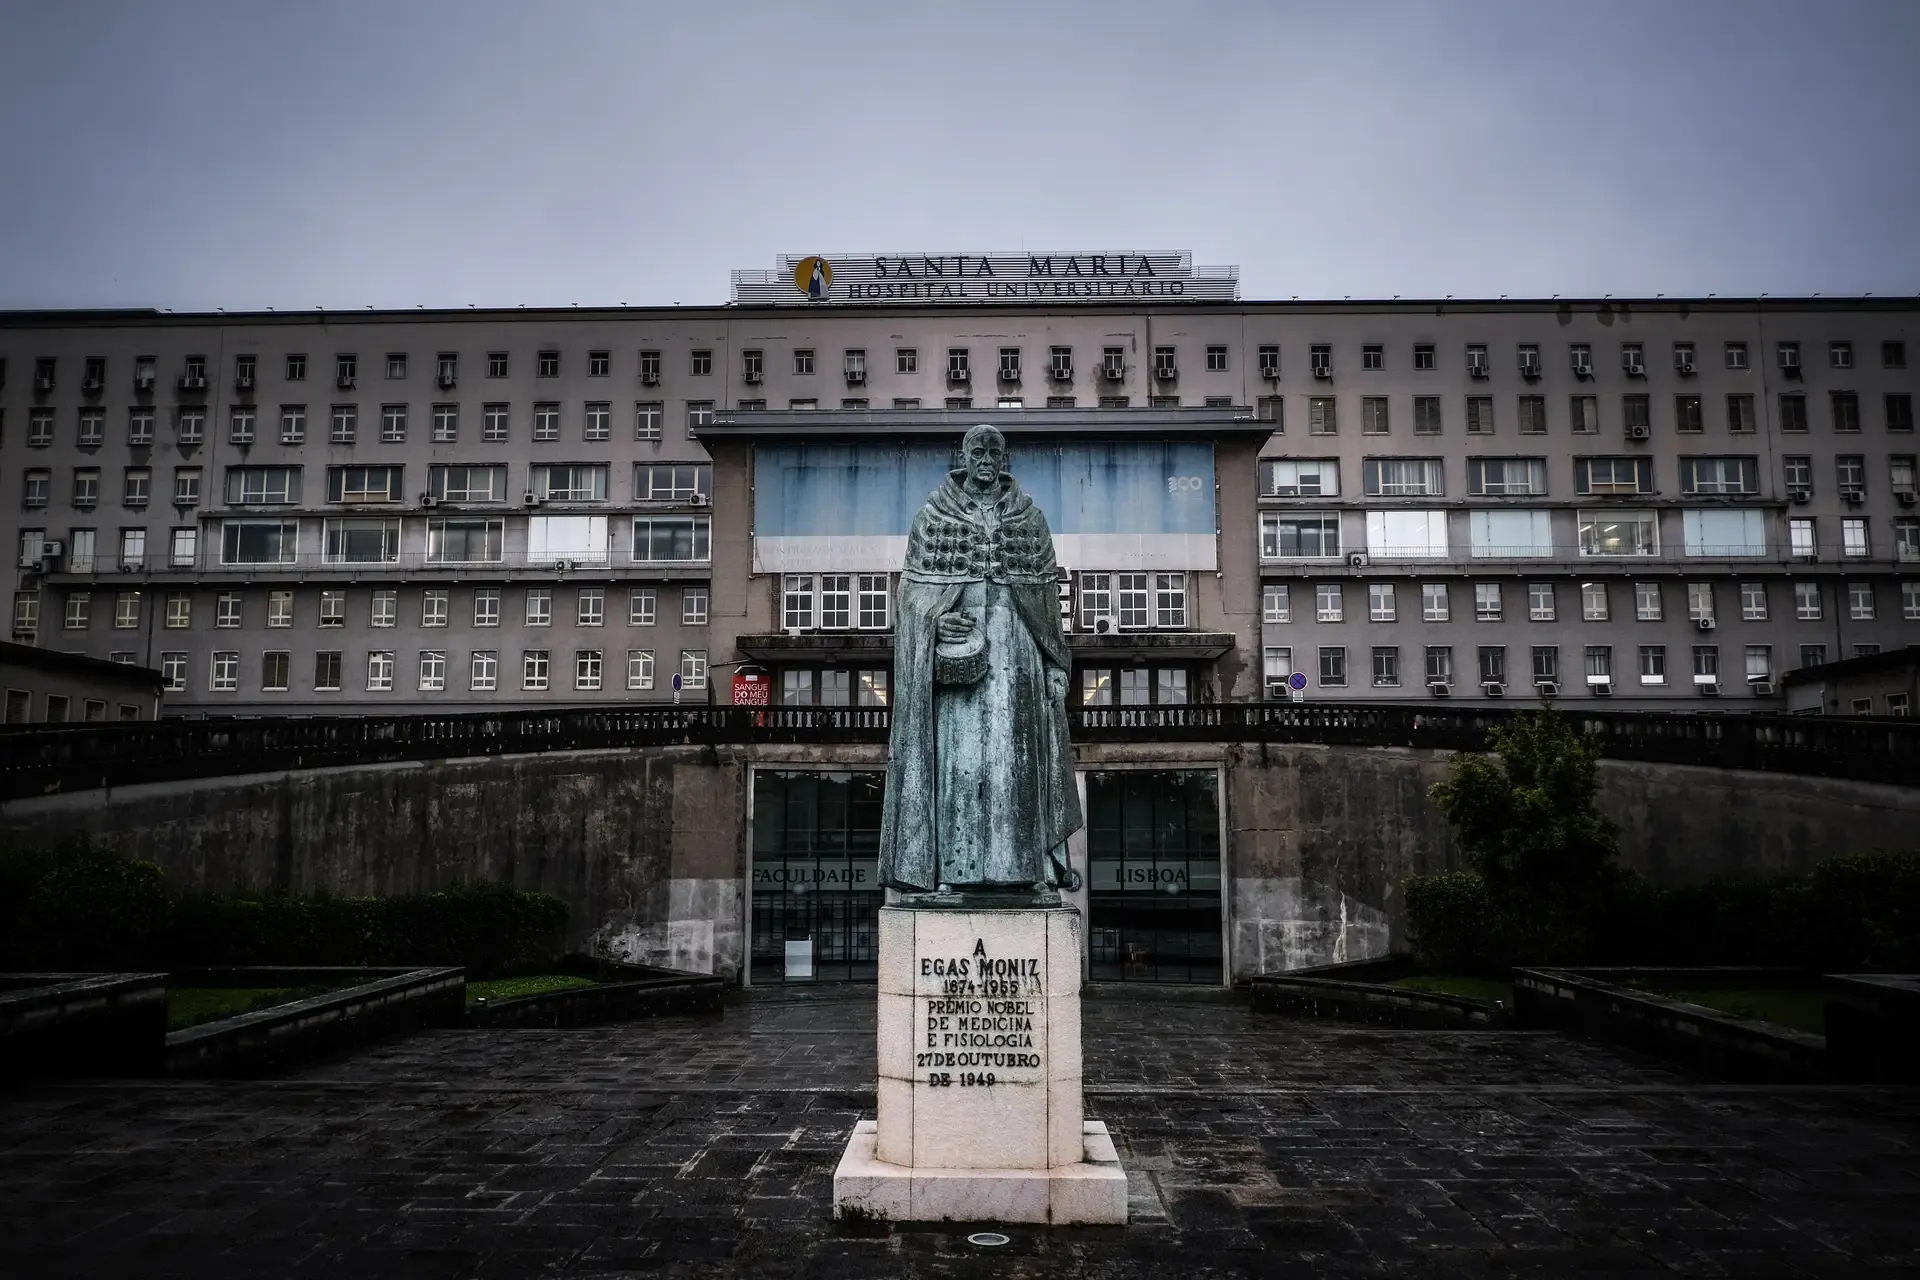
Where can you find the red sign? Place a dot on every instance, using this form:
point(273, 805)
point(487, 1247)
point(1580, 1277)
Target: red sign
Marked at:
point(751, 690)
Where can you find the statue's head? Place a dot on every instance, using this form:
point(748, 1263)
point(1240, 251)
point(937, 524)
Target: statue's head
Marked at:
point(983, 453)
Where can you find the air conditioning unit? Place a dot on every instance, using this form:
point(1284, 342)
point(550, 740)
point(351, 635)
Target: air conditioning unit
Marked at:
point(1600, 686)
point(856, 376)
point(143, 381)
point(959, 375)
point(243, 382)
point(753, 376)
point(130, 566)
point(1854, 497)
point(650, 379)
point(1801, 496)
point(1476, 370)
point(1324, 372)
point(1492, 688)
point(1684, 368)
point(1277, 688)
point(1530, 371)
point(561, 566)
point(1113, 372)
point(1165, 372)
point(1062, 373)
point(445, 381)
point(1904, 497)
point(428, 500)
point(532, 499)
point(700, 500)
point(51, 548)
point(1639, 432)
point(1704, 624)
point(1102, 624)
point(1636, 369)
point(1583, 368)
point(1357, 560)
point(90, 384)
point(344, 383)
point(193, 384)
point(1271, 372)
point(1760, 688)
point(1439, 688)
point(1708, 688)
point(1547, 688)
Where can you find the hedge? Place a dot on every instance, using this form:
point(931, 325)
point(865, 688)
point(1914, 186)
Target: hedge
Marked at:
point(76, 908)
point(1852, 914)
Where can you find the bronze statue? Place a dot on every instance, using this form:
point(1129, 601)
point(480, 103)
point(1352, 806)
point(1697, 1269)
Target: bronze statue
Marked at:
point(980, 790)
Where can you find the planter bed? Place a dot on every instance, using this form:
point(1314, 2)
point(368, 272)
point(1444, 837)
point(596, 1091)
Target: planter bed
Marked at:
point(619, 992)
point(82, 1024)
point(1873, 1026)
point(1627, 1007)
point(1358, 991)
point(361, 1005)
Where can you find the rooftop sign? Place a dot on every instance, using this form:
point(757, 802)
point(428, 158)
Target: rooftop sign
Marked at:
point(1076, 276)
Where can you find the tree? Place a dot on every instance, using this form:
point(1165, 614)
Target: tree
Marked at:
point(1527, 820)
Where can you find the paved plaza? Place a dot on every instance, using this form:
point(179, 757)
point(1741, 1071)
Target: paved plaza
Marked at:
point(1255, 1146)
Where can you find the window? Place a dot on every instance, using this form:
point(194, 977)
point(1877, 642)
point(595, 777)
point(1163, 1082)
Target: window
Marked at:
point(333, 608)
point(1533, 415)
point(1853, 538)
point(1860, 601)
point(173, 672)
point(1380, 602)
point(809, 404)
point(1333, 666)
point(1493, 664)
point(223, 674)
point(1407, 535)
point(1476, 359)
point(1373, 415)
point(483, 675)
point(433, 607)
point(1798, 470)
point(693, 607)
point(803, 361)
point(1637, 414)
point(1906, 539)
point(836, 601)
point(140, 426)
point(586, 669)
point(1618, 533)
point(582, 539)
point(872, 600)
point(1273, 603)
point(1479, 415)
point(279, 608)
point(1506, 477)
point(1910, 601)
point(1612, 475)
point(1546, 664)
point(1322, 420)
point(671, 540)
point(179, 612)
point(906, 360)
point(1646, 601)
point(1599, 664)
point(533, 669)
point(455, 483)
point(1439, 664)
point(1486, 602)
point(39, 428)
point(133, 548)
point(1434, 606)
point(699, 414)
point(1584, 414)
point(263, 486)
point(1426, 415)
point(362, 541)
point(385, 608)
point(79, 607)
point(591, 607)
point(26, 611)
point(363, 484)
point(1329, 602)
point(640, 607)
point(957, 368)
point(1806, 601)
point(546, 422)
point(693, 668)
point(639, 668)
point(35, 484)
point(1130, 590)
point(259, 541)
point(1580, 357)
point(136, 486)
point(1686, 414)
point(1706, 664)
point(1511, 535)
point(1800, 536)
point(1402, 478)
point(1298, 478)
point(1699, 601)
point(1813, 655)
point(1736, 355)
point(1216, 359)
point(1423, 356)
point(1540, 601)
point(1840, 355)
point(293, 424)
point(1298, 535)
point(1846, 411)
point(539, 610)
point(1009, 364)
point(797, 602)
point(191, 427)
point(86, 486)
point(570, 482)
point(1793, 412)
point(1759, 662)
point(1593, 601)
point(647, 415)
point(1653, 664)
point(465, 541)
point(1169, 599)
point(1740, 420)
point(446, 423)
point(1724, 533)
point(226, 610)
point(276, 671)
point(1105, 402)
point(93, 427)
point(672, 482)
point(1386, 668)
point(1851, 471)
point(343, 424)
point(1276, 666)
point(853, 364)
point(1900, 473)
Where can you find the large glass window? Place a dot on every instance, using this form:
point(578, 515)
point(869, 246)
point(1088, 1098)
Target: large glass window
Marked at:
point(1300, 478)
point(467, 483)
point(1619, 533)
point(1407, 535)
point(1403, 477)
point(263, 486)
point(466, 541)
point(1506, 477)
point(671, 482)
point(1724, 533)
point(1299, 535)
point(1719, 475)
point(365, 484)
point(362, 541)
point(1511, 534)
point(671, 540)
point(570, 482)
point(1612, 475)
point(572, 538)
point(1154, 887)
point(259, 541)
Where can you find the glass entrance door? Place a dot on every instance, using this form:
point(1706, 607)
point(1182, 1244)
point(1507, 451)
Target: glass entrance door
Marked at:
point(1153, 856)
point(816, 886)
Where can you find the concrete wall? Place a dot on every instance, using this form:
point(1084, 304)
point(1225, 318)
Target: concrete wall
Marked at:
point(649, 848)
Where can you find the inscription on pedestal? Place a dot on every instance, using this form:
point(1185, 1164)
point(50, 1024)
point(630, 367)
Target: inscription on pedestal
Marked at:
point(982, 1019)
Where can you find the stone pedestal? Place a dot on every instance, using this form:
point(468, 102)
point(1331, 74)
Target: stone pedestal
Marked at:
point(980, 1116)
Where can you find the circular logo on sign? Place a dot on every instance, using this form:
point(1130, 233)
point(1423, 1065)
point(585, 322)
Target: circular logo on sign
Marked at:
point(1298, 680)
point(813, 276)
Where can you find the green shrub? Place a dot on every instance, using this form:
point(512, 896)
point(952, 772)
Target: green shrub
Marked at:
point(85, 909)
point(1451, 925)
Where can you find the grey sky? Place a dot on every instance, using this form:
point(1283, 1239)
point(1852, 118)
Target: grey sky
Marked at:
point(194, 155)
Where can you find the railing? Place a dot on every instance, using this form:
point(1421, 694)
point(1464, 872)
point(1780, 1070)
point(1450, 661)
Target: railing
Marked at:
point(38, 760)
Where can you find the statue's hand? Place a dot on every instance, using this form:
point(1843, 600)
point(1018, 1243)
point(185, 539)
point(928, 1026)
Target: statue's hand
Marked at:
point(954, 627)
point(1057, 685)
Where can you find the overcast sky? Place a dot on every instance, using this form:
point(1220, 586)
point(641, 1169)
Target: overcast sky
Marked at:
point(399, 152)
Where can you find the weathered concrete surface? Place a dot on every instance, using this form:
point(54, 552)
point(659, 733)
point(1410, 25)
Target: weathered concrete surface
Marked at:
point(648, 848)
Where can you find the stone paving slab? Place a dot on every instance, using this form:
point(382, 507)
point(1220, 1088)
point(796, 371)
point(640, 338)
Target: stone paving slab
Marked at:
point(1255, 1146)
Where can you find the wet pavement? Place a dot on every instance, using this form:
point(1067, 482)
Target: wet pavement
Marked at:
point(1255, 1146)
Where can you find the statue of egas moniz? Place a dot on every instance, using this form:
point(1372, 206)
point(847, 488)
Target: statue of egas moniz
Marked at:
point(980, 793)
